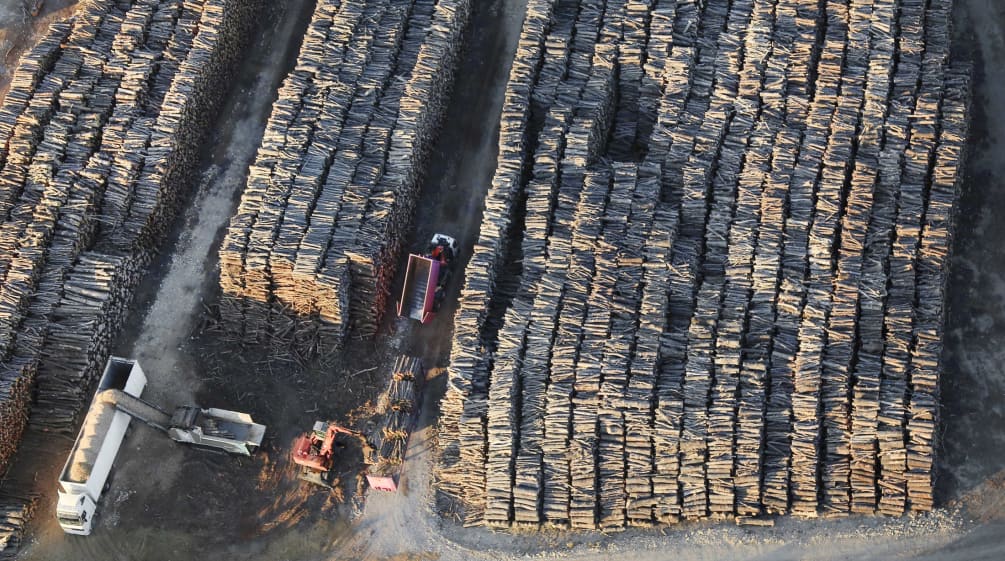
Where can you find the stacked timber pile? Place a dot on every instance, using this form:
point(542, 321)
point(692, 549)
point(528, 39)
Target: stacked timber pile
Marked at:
point(81, 330)
point(732, 222)
point(400, 406)
point(314, 244)
point(14, 516)
point(99, 139)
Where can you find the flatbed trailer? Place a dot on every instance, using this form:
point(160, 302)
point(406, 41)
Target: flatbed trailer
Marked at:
point(401, 404)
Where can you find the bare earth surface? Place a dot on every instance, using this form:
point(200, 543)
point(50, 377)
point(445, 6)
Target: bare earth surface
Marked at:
point(168, 502)
point(18, 30)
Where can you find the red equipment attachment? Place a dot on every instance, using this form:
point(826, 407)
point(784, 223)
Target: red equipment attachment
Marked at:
point(386, 483)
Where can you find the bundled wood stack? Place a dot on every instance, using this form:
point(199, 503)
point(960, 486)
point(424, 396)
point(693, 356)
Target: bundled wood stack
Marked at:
point(932, 265)
point(99, 139)
point(464, 406)
point(400, 407)
point(863, 200)
point(314, 244)
point(698, 324)
point(82, 326)
point(15, 512)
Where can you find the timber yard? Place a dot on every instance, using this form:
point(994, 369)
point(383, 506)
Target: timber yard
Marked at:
point(502, 279)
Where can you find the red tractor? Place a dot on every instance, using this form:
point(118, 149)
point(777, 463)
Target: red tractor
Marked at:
point(314, 452)
point(426, 279)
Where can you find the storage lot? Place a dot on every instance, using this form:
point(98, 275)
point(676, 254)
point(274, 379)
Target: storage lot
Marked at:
point(148, 518)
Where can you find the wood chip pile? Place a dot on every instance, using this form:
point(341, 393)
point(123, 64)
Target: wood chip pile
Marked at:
point(732, 221)
point(314, 244)
point(99, 137)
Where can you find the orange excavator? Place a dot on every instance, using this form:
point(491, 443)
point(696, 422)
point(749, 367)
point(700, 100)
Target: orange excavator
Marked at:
point(314, 452)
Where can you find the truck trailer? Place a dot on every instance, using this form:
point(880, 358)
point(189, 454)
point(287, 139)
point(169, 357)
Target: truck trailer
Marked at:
point(116, 402)
point(85, 475)
point(426, 278)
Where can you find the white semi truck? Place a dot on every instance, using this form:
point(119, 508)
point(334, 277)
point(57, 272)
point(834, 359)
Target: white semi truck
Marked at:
point(116, 401)
point(86, 471)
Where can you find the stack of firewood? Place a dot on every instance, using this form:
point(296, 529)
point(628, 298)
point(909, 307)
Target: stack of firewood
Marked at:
point(15, 512)
point(314, 246)
point(100, 131)
point(710, 275)
point(96, 293)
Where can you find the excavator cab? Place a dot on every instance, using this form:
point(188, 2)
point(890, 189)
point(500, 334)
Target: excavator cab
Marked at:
point(314, 452)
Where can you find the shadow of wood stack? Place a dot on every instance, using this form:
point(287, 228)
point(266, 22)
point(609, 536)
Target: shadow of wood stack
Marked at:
point(733, 249)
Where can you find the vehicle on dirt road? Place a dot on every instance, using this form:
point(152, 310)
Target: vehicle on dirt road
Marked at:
point(399, 406)
point(116, 402)
point(86, 473)
point(426, 279)
point(230, 431)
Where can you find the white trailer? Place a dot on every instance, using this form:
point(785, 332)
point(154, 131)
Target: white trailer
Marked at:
point(87, 468)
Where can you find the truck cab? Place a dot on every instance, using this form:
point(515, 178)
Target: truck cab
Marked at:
point(75, 512)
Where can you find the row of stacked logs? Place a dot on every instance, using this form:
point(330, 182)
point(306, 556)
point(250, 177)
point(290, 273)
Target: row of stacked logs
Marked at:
point(733, 248)
point(14, 516)
point(100, 134)
point(313, 247)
